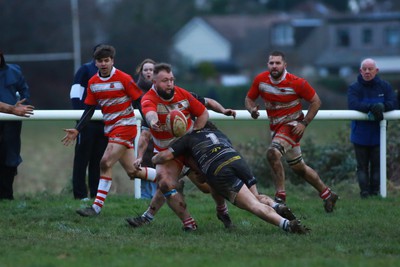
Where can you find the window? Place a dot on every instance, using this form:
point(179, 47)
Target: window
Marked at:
point(366, 36)
point(282, 34)
point(342, 38)
point(392, 36)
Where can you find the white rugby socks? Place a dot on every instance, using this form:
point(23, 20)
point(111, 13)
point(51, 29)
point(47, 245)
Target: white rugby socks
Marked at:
point(102, 191)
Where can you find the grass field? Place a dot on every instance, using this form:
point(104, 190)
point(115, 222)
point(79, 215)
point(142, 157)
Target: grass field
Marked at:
point(41, 228)
point(45, 231)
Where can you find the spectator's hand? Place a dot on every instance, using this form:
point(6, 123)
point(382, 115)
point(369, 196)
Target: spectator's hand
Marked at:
point(377, 110)
point(70, 136)
point(230, 112)
point(254, 112)
point(23, 110)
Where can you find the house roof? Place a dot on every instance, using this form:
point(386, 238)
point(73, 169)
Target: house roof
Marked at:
point(248, 35)
point(236, 27)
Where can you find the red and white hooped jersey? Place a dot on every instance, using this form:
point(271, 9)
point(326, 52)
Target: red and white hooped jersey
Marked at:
point(182, 100)
point(114, 94)
point(282, 99)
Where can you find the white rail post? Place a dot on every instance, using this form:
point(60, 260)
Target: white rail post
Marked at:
point(383, 173)
point(138, 182)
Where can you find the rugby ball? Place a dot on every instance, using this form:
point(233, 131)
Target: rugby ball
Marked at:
point(176, 123)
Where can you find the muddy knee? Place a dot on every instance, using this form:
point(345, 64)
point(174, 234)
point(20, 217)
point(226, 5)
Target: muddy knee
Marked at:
point(274, 153)
point(105, 165)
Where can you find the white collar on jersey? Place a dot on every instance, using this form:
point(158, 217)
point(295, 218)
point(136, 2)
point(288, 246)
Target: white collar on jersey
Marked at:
point(281, 79)
point(108, 77)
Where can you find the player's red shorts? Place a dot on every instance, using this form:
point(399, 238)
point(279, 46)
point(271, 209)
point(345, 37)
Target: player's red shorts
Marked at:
point(284, 134)
point(123, 135)
point(287, 143)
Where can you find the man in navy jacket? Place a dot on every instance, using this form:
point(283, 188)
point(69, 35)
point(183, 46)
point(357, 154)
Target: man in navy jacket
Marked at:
point(374, 96)
point(13, 87)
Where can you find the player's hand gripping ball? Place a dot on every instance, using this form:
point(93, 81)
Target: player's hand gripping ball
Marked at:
point(176, 123)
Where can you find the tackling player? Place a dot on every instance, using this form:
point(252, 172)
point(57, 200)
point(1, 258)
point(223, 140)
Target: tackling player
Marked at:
point(227, 173)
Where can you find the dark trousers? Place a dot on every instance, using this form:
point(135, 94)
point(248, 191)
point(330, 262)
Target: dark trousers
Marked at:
point(89, 149)
point(7, 175)
point(368, 169)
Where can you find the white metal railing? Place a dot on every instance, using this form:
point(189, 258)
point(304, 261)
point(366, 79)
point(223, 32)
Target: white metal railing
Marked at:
point(240, 115)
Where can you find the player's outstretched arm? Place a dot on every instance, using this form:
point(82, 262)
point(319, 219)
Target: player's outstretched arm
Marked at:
point(70, 136)
point(217, 107)
point(152, 120)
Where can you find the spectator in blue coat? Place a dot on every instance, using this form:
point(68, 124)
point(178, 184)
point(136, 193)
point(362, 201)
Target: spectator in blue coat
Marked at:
point(91, 142)
point(13, 87)
point(374, 96)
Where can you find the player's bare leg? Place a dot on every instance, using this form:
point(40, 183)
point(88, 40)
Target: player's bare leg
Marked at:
point(147, 217)
point(199, 180)
point(248, 201)
point(281, 208)
point(274, 158)
point(167, 179)
point(310, 175)
point(111, 155)
point(144, 173)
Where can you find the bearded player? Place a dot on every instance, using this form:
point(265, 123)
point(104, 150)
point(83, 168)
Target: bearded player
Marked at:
point(193, 173)
point(282, 93)
point(156, 104)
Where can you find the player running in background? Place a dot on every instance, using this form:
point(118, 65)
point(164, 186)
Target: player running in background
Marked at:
point(282, 93)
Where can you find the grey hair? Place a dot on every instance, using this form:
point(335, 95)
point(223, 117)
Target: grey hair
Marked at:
point(368, 60)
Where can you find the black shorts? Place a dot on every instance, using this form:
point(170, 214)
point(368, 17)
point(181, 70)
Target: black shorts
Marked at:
point(227, 177)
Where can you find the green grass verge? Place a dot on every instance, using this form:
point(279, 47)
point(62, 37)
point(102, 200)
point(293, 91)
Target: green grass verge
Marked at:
point(47, 164)
point(45, 231)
